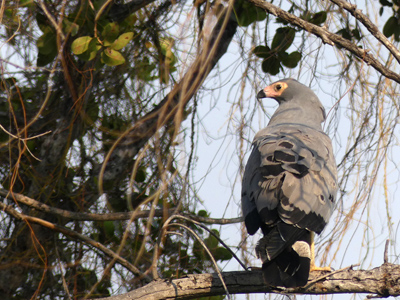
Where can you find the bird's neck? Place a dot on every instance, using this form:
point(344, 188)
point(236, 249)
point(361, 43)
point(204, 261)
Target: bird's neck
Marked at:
point(289, 114)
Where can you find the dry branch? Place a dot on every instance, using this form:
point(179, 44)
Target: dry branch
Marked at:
point(383, 281)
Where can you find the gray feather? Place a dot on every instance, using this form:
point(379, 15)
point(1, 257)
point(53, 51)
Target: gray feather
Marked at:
point(290, 179)
point(292, 170)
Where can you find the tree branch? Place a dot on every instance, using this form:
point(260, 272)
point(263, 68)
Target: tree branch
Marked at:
point(129, 144)
point(372, 28)
point(327, 37)
point(72, 234)
point(119, 216)
point(382, 281)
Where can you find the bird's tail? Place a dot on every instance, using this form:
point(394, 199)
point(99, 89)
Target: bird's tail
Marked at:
point(290, 265)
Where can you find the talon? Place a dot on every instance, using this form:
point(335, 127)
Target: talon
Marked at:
point(324, 269)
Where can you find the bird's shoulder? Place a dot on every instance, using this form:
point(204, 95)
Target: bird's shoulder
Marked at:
point(304, 146)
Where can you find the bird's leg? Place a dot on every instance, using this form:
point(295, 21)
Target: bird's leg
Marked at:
point(313, 267)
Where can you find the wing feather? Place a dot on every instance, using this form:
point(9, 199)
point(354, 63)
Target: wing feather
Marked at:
point(290, 177)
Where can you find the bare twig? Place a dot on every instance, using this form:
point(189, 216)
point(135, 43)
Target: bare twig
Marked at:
point(209, 254)
point(108, 216)
point(214, 235)
point(51, 19)
point(385, 254)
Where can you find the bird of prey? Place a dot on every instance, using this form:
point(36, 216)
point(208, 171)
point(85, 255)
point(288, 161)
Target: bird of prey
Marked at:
point(290, 183)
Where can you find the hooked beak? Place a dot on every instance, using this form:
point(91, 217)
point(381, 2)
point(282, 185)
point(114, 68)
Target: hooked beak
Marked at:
point(261, 94)
point(267, 92)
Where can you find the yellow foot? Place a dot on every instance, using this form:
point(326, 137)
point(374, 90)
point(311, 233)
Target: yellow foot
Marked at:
point(315, 268)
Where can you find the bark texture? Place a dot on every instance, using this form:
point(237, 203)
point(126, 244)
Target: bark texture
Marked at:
point(383, 281)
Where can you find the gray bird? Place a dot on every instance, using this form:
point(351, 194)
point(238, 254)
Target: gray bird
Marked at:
point(290, 184)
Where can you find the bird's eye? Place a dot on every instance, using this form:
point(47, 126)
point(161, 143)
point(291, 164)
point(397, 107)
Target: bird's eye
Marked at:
point(278, 87)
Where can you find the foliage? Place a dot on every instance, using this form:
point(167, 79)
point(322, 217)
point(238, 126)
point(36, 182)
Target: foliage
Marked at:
point(102, 106)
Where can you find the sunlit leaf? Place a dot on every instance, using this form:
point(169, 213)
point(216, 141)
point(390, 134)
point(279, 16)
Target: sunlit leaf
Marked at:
point(122, 40)
point(91, 51)
point(112, 57)
point(81, 44)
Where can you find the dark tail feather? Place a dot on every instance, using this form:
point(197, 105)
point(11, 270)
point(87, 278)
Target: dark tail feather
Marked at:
point(288, 269)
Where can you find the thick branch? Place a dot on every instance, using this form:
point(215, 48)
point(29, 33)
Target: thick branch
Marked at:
point(383, 281)
point(328, 37)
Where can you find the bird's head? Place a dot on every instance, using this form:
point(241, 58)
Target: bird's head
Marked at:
point(286, 90)
point(292, 94)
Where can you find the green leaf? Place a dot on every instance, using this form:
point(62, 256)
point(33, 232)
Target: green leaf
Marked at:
point(47, 42)
point(47, 47)
point(291, 60)
point(110, 33)
point(202, 213)
point(397, 33)
point(198, 250)
point(26, 3)
point(81, 44)
point(92, 50)
point(140, 175)
point(318, 18)
point(283, 39)
point(247, 13)
point(356, 34)
point(122, 41)
point(70, 27)
point(211, 242)
point(345, 33)
point(44, 59)
point(222, 254)
point(109, 228)
point(112, 57)
point(262, 51)
point(271, 65)
point(145, 69)
point(41, 20)
point(385, 3)
point(390, 26)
